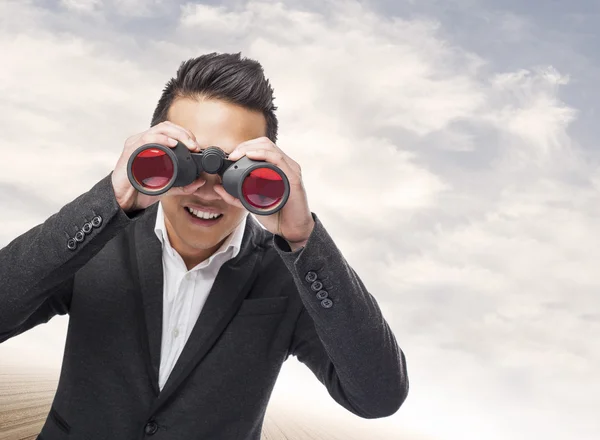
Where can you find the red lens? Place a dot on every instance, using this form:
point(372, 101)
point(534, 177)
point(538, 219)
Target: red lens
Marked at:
point(263, 188)
point(152, 168)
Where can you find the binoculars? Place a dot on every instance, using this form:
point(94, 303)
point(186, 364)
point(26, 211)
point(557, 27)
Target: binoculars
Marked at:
point(261, 186)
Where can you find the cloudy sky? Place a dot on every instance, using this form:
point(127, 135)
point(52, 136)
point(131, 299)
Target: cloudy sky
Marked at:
point(449, 147)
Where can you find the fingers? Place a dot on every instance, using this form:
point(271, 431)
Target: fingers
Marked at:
point(155, 138)
point(174, 133)
point(290, 168)
point(188, 132)
point(188, 189)
point(261, 142)
point(263, 149)
point(271, 156)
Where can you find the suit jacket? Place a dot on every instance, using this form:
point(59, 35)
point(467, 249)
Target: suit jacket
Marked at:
point(103, 267)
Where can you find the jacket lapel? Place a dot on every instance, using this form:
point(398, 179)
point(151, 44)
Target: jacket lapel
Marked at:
point(146, 258)
point(234, 281)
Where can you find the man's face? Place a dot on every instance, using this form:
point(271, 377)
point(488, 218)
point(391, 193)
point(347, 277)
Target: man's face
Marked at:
point(214, 123)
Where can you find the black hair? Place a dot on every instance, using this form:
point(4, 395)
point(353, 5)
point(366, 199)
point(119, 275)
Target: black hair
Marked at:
point(225, 76)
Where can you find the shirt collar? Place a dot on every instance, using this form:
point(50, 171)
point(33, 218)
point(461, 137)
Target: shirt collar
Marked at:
point(233, 241)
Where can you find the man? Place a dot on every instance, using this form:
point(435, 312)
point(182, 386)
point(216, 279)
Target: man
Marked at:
point(177, 329)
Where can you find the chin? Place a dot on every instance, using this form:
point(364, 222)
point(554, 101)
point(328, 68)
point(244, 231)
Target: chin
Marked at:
point(202, 245)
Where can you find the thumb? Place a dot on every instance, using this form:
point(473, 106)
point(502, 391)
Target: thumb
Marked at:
point(194, 185)
point(187, 189)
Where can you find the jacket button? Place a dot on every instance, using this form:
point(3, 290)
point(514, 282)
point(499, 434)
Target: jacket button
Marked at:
point(96, 221)
point(151, 428)
point(326, 303)
point(87, 228)
point(322, 294)
point(311, 276)
point(72, 244)
point(316, 286)
point(79, 236)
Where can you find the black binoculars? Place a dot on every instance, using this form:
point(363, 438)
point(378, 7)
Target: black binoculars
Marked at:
point(261, 186)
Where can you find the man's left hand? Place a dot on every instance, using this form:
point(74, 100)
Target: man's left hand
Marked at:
point(294, 221)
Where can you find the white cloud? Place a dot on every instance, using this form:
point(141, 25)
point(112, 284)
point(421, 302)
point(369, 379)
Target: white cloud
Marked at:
point(532, 110)
point(124, 8)
point(215, 19)
point(81, 5)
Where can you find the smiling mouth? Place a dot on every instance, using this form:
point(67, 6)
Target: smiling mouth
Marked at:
point(203, 216)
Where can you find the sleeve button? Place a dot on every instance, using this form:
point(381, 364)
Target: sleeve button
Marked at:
point(96, 221)
point(79, 236)
point(322, 294)
point(311, 276)
point(326, 303)
point(72, 244)
point(316, 286)
point(87, 228)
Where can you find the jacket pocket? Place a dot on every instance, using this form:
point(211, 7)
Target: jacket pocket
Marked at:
point(263, 306)
point(57, 418)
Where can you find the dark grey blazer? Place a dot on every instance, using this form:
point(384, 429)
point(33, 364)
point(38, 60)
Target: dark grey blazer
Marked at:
point(104, 268)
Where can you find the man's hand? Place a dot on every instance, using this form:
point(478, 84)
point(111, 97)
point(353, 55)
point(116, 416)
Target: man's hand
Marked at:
point(166, 133)
point(294, 221)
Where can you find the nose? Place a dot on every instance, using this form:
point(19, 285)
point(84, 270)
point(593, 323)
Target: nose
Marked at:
point(204, 186)
point(211, 179)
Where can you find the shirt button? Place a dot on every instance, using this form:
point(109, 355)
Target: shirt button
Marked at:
point(175, 332)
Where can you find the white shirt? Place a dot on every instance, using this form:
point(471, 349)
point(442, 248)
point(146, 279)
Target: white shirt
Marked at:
point(185, 292)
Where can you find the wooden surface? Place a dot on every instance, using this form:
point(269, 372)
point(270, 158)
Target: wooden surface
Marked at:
point(25, 400)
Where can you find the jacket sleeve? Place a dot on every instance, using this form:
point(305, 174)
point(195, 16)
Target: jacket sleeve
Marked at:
point(37, 268)
point(343, 337)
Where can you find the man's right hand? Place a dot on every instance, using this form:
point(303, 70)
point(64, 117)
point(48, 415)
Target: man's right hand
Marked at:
point(167, 134)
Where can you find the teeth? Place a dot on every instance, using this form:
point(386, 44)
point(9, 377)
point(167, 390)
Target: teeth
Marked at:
point(203, 215)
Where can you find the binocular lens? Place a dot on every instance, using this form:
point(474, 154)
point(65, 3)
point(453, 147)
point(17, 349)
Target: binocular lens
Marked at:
point(152, 168)
point(263, 188)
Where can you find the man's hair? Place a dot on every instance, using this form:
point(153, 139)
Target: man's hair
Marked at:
point(227, 77)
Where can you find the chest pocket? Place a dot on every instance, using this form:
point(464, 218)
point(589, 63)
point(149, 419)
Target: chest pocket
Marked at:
point(253, 333)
